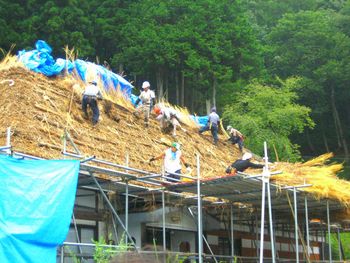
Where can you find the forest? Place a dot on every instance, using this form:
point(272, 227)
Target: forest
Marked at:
point(278, 71)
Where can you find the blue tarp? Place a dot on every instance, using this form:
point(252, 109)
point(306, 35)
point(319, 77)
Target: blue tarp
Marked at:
point(36, 205)
point(40, 60)
point(200, 120)
point(109, 78)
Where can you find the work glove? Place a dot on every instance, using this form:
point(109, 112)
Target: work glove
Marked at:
point(152, 159)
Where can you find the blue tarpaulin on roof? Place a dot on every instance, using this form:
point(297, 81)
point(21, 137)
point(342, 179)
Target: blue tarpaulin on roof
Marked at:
point(200, 120)
point(36, 205)
point(40, 60)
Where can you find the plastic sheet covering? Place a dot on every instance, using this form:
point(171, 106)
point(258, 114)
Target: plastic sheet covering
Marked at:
point(36, 204)
point(201, 120)
point(109, 78)
point(40, 60)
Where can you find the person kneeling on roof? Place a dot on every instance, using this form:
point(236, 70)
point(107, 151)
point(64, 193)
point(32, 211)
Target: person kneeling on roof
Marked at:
point(91, 94)
point(172, 161)
point(168, 118)
point(242, 164)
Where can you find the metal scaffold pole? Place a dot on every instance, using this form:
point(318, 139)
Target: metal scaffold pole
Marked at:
point(8, 140)
point(339, 245)
point(113, 210)
point(199, 204)
point(127, 201)
point(163, 221)
point(329, 234)
point(296, 225)
point(307, 228)
point(232, 237)
point(264, 181)
point(267, 182)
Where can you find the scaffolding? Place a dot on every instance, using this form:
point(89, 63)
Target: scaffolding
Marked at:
point(242, 191)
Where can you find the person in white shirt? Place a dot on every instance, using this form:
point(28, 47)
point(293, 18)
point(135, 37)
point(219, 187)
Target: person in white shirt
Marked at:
point(90, 96)
point(172, 161)
point(168, 118)
point(147, 97)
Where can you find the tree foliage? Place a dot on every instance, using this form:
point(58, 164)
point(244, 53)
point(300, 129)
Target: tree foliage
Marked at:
point(270, 113)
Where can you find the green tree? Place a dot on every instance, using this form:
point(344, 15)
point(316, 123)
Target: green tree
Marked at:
point(191, 50)
point(312, 45)
point(271, 114)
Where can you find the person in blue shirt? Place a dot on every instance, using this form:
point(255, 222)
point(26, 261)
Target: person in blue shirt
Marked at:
point(212, 125)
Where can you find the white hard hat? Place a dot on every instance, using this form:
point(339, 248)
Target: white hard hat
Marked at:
point(247, 156)
point(145, 84)
point(229, 127)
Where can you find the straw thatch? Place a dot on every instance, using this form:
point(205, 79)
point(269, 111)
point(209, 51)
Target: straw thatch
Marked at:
point(39, 109)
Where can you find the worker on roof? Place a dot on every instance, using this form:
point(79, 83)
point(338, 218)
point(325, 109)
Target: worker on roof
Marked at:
point(212, 125)
point(242, 164)
point(172, 161)
point(147, 97)
point(168, 119)
point(91, 94)
point(235, 137)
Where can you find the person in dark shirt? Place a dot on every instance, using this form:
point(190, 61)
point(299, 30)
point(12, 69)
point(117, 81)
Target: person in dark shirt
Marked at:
point(242, 164)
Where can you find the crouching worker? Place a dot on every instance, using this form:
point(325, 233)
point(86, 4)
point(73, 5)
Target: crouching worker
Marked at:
point(242, 164)
point(235, 137)
point(168, 119)
point(172, 161)
point(91, 94)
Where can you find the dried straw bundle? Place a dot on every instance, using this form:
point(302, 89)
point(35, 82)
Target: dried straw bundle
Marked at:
point(322, 176)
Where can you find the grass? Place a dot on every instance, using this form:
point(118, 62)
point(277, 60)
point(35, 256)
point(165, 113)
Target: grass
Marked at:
point(345, 239)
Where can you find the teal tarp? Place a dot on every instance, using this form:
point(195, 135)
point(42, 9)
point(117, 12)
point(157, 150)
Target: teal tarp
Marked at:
point(36, 205)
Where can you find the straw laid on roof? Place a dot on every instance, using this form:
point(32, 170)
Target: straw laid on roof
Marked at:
point(39, 109)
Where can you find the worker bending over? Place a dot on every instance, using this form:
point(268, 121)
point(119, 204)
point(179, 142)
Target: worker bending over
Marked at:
point(212, 125)
point(235, 137)
point(91, 94)
point(147, 97)
point(242, 164)
point(168, 118)
point(172, 161)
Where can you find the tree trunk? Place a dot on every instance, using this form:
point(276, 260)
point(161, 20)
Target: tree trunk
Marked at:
point(121, 69)
point(177, 99)
point(182, 101)
point(207, 104)
point(214, 91)
point(309, 142)
point(325, 141)
point(338, 124)
point(166, 94)
point(160, 89)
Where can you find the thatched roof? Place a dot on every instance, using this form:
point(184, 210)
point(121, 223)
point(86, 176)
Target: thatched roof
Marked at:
point(38, 110)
